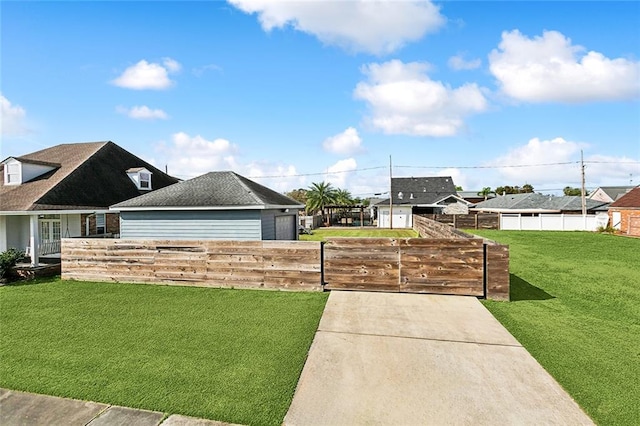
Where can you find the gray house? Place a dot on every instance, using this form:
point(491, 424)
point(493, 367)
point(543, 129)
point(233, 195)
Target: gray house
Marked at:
point(214, 206)
point(420, 195)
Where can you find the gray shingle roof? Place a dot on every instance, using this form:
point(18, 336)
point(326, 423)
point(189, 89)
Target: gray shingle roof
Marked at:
point(88, 175)
point(614, 192)
point(214, 189)
point(425, 190)
point(535, 201)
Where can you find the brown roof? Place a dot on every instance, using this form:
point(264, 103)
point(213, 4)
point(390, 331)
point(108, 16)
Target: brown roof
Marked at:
point(90, 176)
point(630, 199)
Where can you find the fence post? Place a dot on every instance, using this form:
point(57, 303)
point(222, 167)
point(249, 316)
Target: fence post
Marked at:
point(497, 271)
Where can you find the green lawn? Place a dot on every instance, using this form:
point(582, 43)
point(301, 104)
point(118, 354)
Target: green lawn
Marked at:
point(321, 233)
point(229, 355)
point(576, 308)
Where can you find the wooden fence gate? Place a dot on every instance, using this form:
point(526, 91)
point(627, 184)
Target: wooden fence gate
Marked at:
point(411, 265)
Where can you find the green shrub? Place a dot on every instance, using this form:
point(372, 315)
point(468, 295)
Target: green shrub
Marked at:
point(8, 260)
point(606, 229)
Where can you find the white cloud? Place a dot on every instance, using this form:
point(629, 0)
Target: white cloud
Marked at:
point(607, 170)
point(459, 63)
point(378, 27)
point(13, 118)
point(148, 75)
point(199, 71)
point(263, 172)
point(339, 173)
point(143, 113)
point(404, 100)
point(345, 143)
point(171, 65)
point(549, 68)
point(191, 156)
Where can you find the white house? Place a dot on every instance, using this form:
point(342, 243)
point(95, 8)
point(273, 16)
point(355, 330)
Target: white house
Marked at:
point(66, 191)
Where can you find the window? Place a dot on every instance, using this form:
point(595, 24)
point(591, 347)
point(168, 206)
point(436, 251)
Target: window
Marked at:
point(100, 223)
point(141, 177)
point(145, 180)
point(12, 173)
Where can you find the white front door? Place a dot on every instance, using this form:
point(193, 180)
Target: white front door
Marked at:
point(49, 234)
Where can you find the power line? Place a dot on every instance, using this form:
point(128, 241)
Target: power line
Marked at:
point(318, 173)
point(564, 163)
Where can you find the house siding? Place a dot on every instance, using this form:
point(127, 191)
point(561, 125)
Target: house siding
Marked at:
point(186, 225)
point(17, 232)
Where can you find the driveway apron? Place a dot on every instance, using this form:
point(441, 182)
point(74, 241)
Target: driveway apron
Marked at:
point(404, 359)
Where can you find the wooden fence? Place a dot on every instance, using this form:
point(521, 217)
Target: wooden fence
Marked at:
point(468, 221)
point(412, 265)
point(428, 228)
point(465, 266)
point(292, 265)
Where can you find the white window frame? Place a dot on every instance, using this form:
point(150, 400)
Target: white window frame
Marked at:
point(144, 181)
point(17, 173)
point(103, 217)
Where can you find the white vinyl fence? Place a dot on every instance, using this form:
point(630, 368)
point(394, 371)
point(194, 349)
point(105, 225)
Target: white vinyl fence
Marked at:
point(552, 222)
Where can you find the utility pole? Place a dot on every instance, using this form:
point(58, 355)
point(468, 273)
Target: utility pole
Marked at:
point(390, 195)
point(584, 200)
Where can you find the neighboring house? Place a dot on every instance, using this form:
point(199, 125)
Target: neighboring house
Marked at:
point(625, 213)
point(420, 195)
point(214, 206)
point(473, 197)
point(65, 191)
point(534, 211)
point(609, 194)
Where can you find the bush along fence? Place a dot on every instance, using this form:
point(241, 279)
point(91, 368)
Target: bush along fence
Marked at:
point(444, 263)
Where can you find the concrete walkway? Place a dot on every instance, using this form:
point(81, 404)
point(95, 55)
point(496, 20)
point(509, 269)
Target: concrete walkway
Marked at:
point(21, 408)
point(408, 359)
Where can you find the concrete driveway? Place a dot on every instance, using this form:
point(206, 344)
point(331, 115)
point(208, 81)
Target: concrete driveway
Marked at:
point(408, 359)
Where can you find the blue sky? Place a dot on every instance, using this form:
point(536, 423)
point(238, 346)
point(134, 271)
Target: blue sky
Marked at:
point(290, 93)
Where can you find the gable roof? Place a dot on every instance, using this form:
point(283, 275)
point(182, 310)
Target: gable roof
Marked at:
point(613, 192)
point(535, 201)
point(88, 176)
point(630, 199)
point(421, 190)
point(212, 190)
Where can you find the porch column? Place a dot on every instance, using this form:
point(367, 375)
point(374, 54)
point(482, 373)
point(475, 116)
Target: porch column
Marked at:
point(34, 239)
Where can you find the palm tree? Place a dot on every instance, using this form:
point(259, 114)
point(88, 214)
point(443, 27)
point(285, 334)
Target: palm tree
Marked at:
point(485, 192)
point(320, 195)
point(343, 197)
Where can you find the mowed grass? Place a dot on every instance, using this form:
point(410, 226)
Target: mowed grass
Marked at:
point(228, 355)
point(321, 234)
point(576, 308)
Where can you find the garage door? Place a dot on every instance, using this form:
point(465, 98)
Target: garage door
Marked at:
point(634, 226)
point(285, 227)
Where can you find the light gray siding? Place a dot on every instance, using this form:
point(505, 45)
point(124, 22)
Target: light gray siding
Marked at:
point(195, 224)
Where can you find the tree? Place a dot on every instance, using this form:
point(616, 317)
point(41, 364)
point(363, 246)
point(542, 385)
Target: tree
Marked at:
point(343, 197)
point(526, 188)
point(568, 190)
point(320, 195)
point(459, 188)
point(485, 192)
point(300, 195)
